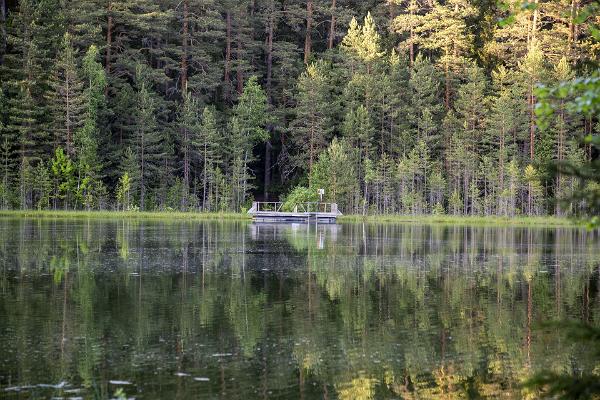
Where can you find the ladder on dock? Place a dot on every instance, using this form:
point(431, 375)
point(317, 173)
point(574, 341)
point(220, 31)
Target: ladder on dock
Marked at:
point(273, 212)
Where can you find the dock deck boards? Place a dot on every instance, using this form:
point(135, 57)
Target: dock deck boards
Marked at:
point(303, 212)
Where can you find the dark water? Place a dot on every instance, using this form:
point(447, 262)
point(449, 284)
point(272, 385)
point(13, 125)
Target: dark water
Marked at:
point(238, 311)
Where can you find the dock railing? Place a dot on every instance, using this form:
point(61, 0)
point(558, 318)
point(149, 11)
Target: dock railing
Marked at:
point(308, 207)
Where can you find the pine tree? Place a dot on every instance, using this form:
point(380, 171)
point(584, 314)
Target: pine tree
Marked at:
point(250, 118)
point(207, 147)
point(201, 64)
point(443, 29)
point(359, 131)
point(88, 136)
point(68, 97)
point(506, 122)
point(471, 111)
point(149, 145)
point(312, 127)
point(188, 124)
point(532, 71)
point(334, 172)
point(425, 107)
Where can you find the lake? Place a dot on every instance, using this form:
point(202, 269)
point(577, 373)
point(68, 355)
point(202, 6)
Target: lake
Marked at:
point(232, 310)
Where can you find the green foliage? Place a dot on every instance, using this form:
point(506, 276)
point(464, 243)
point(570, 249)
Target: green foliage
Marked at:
point(363, 41)
point(434, 102)
point(63, 174)
point(299, 194)
point(335, 174)
point(566, 386)
point(123, 192)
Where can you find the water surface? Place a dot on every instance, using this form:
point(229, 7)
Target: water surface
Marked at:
point(241, 311)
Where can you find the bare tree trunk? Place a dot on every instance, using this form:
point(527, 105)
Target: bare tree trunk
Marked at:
point(270, 57)
point(308, 37)
point(2, 30)
point(447, 84)
point(185, 40)
point(204, 173)
point(186, 168)
point(142, 180)
point(501, 160)
point(268, 148)
point(227, 77)
point(411, 46)
point(531, 34)
point(109, 32)
point(331, 26)
point(531, 121)
point(240, 71)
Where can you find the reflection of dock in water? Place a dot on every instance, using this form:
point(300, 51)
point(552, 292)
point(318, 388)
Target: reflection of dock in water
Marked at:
point(321, 233)
point(273, 212)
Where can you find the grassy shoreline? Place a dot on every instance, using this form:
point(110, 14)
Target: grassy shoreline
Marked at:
point(57, 214)
point(548, 221)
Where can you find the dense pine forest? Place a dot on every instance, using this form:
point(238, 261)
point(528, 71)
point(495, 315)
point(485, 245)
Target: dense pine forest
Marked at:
point(391, 106)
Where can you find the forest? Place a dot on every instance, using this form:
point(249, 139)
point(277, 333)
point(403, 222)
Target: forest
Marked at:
point(391, 106)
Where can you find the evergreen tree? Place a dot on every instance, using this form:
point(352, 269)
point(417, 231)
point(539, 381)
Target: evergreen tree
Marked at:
point(249, 121)
point(149, 145)
point(207, 147)
point(68, 100)
point(425, 107)
point(312, 127)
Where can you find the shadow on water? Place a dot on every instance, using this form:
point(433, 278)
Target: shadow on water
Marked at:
point(240, 310)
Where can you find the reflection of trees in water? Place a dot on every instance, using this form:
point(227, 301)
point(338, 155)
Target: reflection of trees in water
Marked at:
point(360, 312)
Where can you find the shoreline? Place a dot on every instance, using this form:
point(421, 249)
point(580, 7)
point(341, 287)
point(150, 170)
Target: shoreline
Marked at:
point(541, 221)
point(537, 221)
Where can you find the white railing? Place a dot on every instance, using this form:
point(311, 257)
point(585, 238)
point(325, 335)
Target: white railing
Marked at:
point(306, 207)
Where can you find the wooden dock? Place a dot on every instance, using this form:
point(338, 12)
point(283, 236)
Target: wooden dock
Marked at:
point(273, 212)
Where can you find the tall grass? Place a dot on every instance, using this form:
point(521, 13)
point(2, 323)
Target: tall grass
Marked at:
point(54, 214)
point(388, 218)
point(464, 220)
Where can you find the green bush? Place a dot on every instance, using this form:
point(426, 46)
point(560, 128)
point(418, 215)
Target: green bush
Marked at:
point(299, 194)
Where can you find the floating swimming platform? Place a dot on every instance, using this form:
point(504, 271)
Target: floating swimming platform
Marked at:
point(273, 212)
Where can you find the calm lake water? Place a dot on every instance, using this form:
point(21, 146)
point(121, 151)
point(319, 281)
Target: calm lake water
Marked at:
point(241, 311)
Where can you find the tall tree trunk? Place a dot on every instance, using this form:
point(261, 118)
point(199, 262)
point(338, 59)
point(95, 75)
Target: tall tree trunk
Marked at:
point(572, 26)
point(185, 37)
point(2, 30)
point(68, 115)
point(531, 34)
point(411, 46)
point(308, 37)
point(240, 71)
point(204, 177)
point(270, 58)
point(532, 101)
point(447, 83)
point(501, 158)
point(186, 168)
point(227, 77)
point(109, 32)
point(268, 148)
point(331, 26)
point(560, 152)
point(142, 180)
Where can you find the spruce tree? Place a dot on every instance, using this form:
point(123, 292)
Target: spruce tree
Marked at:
point(207, 146)
point(150, 149)
point(250, 118)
